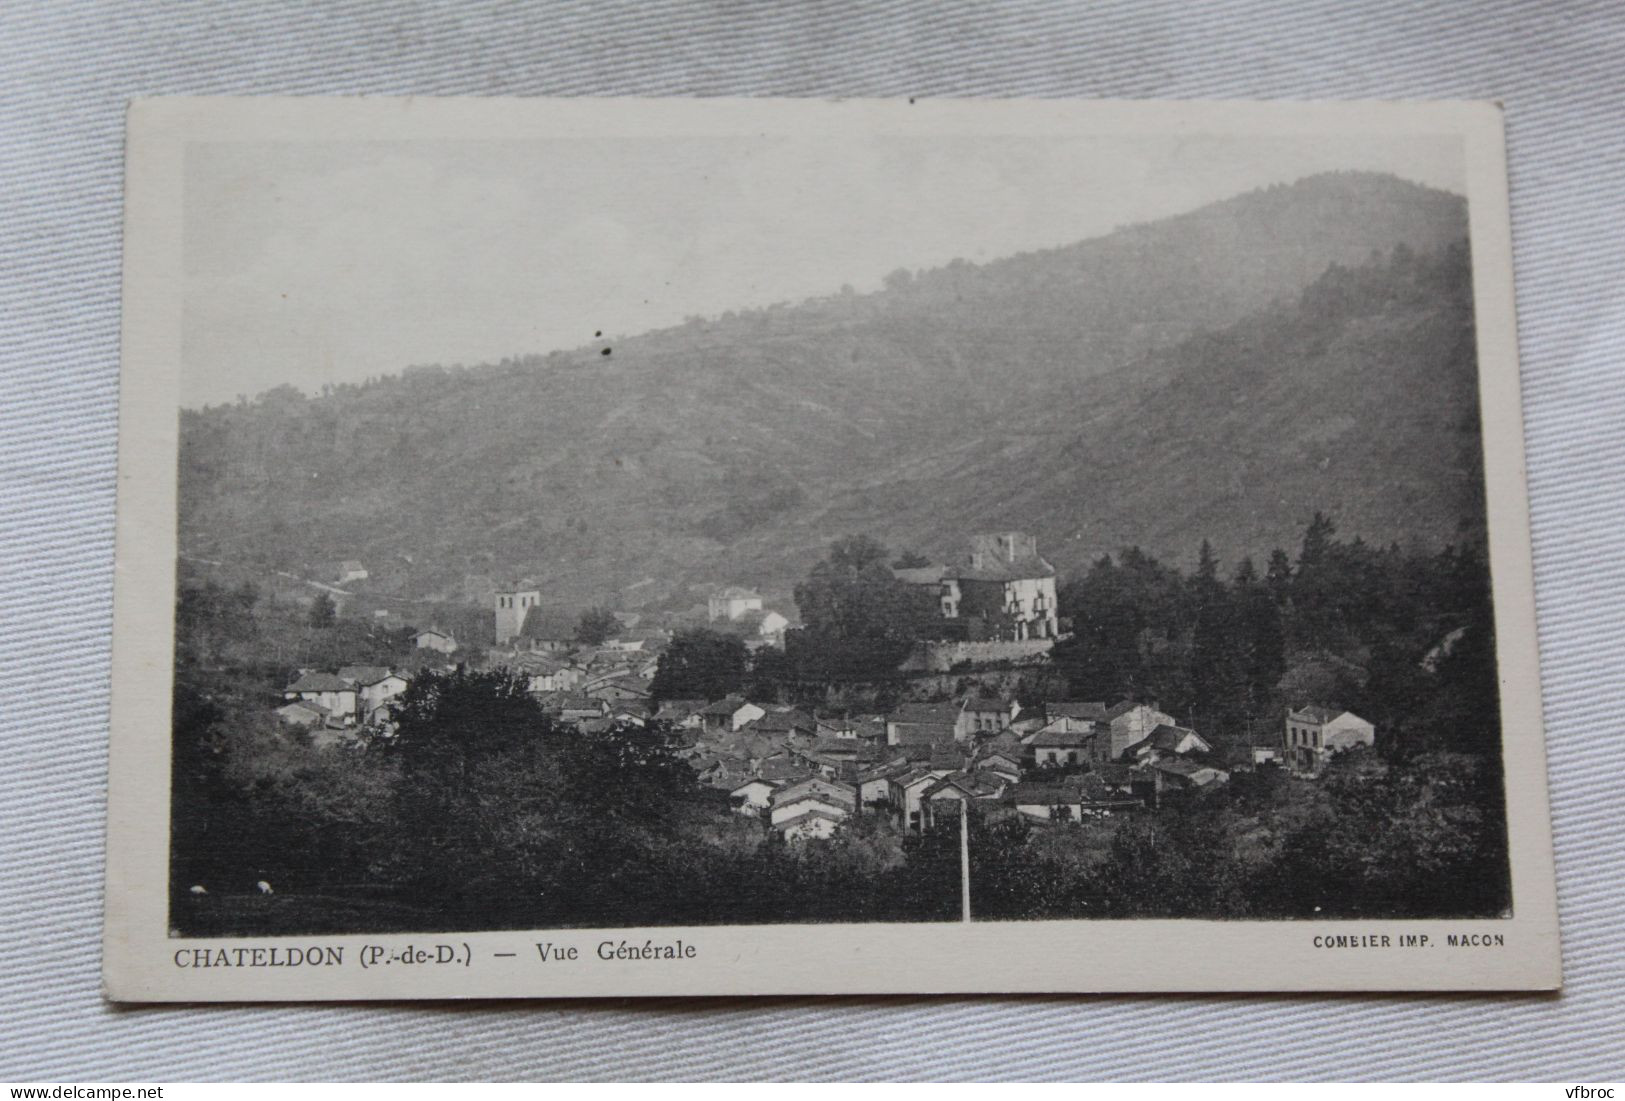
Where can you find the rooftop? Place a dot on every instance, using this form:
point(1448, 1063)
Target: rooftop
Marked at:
point(1064, 739)
point(363, 674)
point(725, 706)
point(1088, 710)
point(1165, 738)
point(320, 682)
point(1021, 569)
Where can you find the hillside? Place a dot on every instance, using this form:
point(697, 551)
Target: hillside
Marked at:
point(1202, 376)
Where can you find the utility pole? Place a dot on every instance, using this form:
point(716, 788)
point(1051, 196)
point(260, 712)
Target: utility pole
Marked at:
point(964, 859)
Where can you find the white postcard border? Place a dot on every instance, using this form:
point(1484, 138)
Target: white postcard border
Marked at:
point(141, 962)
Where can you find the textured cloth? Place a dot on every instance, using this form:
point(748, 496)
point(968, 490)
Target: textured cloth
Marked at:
point(66, 71)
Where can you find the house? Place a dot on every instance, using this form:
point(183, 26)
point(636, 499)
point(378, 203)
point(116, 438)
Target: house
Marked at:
point(876, 786)
point(1008, 583)
point(783, 768)
point(337, 696)
point(985, 717)
point(1064, 748)
point(730, 713)
point(782, 723)
point(842, 727)
point(1125, 780)
point(1132, 723)
point(439, 641)
point(544, 673)
point(1313, 733)
point(574, 707)
point(1046, 801)
point(374, 684)
point(645, 640)
point(718, 771)
point(866, 729)
point(1001, 762)
point(843, 750)
point(350, 570)
point(604, 666)
point(551, 632)
point(951, 795)
point(733, 602)
point(682, 714)
point(304, 713)
point(814, 823)
point(911, 787)
point(753, 796)
point(1072, 714)
point(1168, 741)
point(620, 688)
point(842, 795)
point(512, 605)
point(772, 627)
point(1267, 753)
point(922, 724)
point(1180, 774)
point(631, 712)
point(1070, 800)
point(939, 580)
point(832, 757)
point(835, 802)
point(723, 771)
point(1004, 585)
point(1093, 738)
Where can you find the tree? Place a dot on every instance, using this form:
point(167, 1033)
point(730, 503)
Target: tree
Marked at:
point(910, 560)
point(1317, 540)
point(1278, 576)
point(859, 618)
point(323, 611)
point(444, 722)
point(1215, 677)
point(596, 625)
point(1261, 638)
point(700, 664)
point(1101, 661)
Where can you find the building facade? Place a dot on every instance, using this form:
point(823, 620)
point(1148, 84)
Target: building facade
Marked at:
point(1312, 734)
point(512, 605)
point(733, 602)
point(1004, 590)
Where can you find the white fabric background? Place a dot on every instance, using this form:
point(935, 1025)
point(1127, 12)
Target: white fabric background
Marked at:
point(66, 70)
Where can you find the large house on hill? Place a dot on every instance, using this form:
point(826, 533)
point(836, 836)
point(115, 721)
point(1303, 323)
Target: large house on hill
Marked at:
point(1004, 590)
point(731, 603)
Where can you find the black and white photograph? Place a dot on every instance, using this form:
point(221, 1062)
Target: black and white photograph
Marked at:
point(833, 518)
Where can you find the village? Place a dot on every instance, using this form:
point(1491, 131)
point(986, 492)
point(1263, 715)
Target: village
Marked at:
point(803, 772)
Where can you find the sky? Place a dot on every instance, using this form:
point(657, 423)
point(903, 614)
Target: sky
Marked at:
point(312, 263)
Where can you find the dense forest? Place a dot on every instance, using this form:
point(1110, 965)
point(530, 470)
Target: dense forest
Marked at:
point(1217, 375)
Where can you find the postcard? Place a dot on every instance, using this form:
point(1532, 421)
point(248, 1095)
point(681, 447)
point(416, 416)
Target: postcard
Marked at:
point(684, 547)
